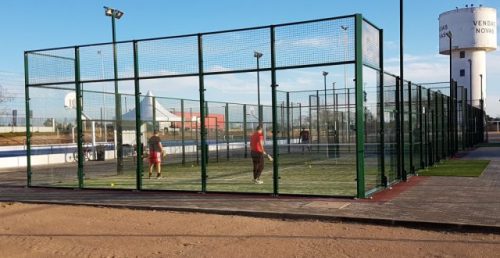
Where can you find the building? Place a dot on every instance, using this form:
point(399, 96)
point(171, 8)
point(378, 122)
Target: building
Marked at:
point(472, 31)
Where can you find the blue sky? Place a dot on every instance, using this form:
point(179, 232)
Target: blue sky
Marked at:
point(35, 24)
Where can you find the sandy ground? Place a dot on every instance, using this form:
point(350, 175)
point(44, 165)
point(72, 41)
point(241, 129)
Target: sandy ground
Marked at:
point(28, 230)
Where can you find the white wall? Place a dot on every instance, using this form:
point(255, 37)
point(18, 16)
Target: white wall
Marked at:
point(478, 58)
point(22, 129)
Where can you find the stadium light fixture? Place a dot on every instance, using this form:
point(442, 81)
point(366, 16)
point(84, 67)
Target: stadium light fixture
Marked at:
point(113, 12)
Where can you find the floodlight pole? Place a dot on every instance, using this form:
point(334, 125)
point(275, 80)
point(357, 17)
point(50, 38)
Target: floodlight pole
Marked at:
point(119, 137)
point(401, 84)
point(482, 110)
point(257, 56)
point(346, 96)
point(450, 112)
point(103, 116)
point(401, 38)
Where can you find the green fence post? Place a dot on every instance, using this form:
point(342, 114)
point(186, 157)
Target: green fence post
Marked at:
point(288, 121)
point(203, 129)
point(138, 133)
point(432, 137)
point(466, 119)
point(410, 127)
point(348, 132)
point(420, 126)
point(450, 127)
point(216, 140)
point(450, 122)
point(207, 116)
point(443, 132)
point(383, 177)
point(226, 128)
point(274, 101)
point(28, 119)
point(455, 117)
point(426, 129)
point(292, 109)
point(453, 126)
point(79, 124)
point(300, 116)
point(337, 127)
point(310, 118)
point(399, 144)
point(360, 109)
point(245, 129)
point(462, 125)
point(441, 117)
point(183, 133)
point(318, 130)
point(436, 128)
point(197, 141)
point(155, 127)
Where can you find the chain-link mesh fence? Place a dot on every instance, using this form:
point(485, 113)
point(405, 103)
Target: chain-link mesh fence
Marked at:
point(347, 136)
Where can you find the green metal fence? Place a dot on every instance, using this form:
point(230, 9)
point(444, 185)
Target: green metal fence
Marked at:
point(364, 134)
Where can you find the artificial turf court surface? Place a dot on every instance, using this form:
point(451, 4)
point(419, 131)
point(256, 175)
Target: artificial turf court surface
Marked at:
point(453, 167)
point(299, 174)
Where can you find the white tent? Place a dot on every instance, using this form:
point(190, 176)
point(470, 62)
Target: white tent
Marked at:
point(163, 116)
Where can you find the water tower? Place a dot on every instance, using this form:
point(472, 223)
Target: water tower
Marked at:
point(473, 33)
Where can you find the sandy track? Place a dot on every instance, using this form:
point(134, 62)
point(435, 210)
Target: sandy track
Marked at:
point(75, 231)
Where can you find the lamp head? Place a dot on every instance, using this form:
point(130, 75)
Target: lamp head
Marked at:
point(108, 11)
point(257, 54)
point(449, 34)
point(325, 73)
point(118, 14)
point(113, 12)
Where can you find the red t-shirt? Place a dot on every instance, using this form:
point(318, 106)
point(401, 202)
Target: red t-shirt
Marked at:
point(255, 142)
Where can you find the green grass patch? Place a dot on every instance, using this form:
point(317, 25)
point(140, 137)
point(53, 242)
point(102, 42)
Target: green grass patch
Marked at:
point(461, 168)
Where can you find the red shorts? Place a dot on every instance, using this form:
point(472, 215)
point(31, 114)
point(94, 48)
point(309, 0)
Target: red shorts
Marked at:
point(154, 157)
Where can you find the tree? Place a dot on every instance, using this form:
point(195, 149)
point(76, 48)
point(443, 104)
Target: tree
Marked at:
point(48, 122)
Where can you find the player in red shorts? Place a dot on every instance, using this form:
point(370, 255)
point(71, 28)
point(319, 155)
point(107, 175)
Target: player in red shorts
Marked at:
point(257, 153)
point(155, 154)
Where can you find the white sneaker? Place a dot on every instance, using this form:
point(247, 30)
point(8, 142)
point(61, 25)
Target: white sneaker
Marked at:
point(258, 181)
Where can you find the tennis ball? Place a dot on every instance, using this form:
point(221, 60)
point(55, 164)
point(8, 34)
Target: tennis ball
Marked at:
point(112, 184)
point(310, 166)
point(192, 165)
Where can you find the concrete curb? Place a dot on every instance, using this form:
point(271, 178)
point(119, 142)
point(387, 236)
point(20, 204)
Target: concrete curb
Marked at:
point(415, 224)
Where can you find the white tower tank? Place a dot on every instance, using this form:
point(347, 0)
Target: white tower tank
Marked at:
point(473, 31)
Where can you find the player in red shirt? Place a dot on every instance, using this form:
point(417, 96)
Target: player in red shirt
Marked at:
point(257, 153)
point(304, 139)
point(155, 154)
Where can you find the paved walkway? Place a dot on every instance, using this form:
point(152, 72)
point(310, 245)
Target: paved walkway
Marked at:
point(444, 201)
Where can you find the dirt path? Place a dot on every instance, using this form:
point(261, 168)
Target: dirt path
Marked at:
point(71, 231)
